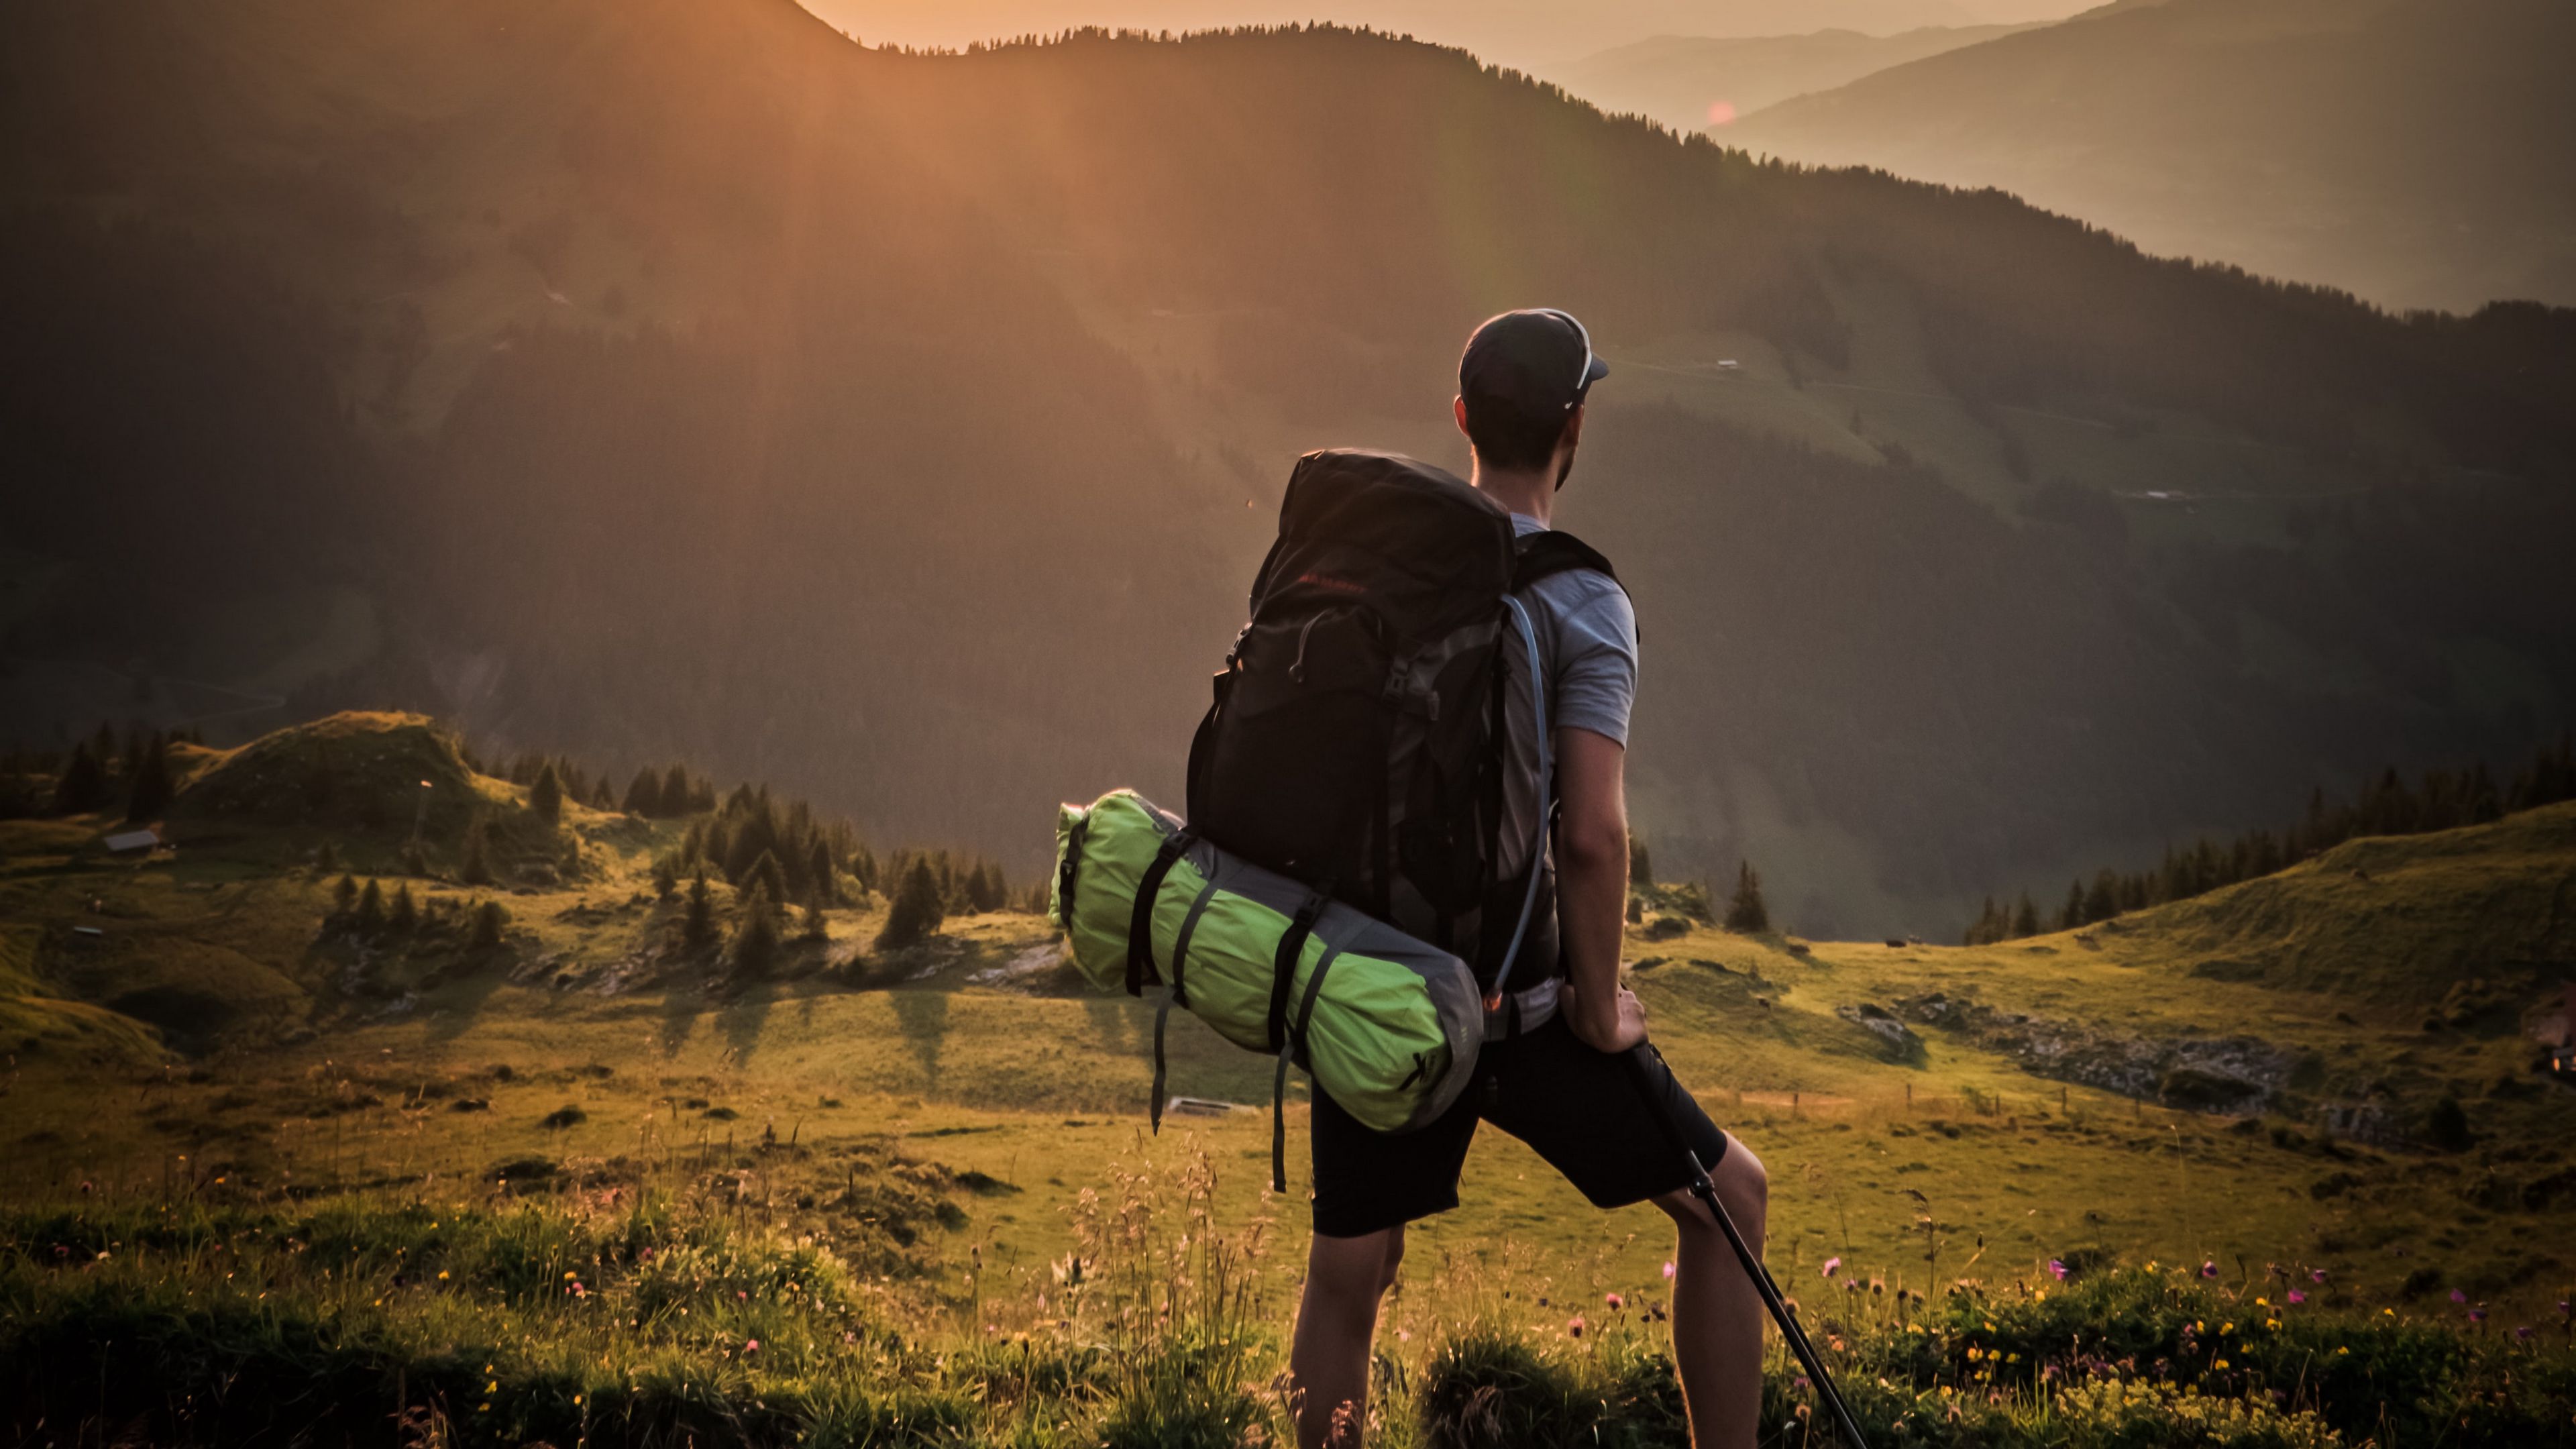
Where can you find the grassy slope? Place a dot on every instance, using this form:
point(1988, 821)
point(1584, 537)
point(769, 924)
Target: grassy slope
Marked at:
point(340, 1066)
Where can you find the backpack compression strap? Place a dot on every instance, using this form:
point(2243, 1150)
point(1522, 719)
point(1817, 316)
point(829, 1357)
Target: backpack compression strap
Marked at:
point(1140, 926)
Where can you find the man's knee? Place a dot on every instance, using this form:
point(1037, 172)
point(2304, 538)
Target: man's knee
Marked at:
point(1743, 1185)
point(1356, 1271)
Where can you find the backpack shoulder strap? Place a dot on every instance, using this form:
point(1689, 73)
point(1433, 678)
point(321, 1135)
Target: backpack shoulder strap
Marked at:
point(1538, 555)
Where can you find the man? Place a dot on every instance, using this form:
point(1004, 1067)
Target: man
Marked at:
point(1560, 1084)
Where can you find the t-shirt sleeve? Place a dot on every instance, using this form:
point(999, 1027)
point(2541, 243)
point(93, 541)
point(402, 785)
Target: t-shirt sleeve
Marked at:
point(1596, 683)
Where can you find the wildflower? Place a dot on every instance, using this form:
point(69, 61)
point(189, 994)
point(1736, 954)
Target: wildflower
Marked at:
point(2477, 1315)
point(2459, 1297)
point(1668, 1274)
point(1830, 1265)
point(442, 1275)
point(2220, 1365)
point(1404, 1335)
point(2296, 1297)
point(2262, 1302)
point(2342, 1352)
point(1613, 1300)
point(568, 1277)
point(2316, 1275)
point(2522, 1330)
point(2208, 1269)
point(751, 1345)
point(2057, 1269)
point(1574, 1325)
point(2388, 1313)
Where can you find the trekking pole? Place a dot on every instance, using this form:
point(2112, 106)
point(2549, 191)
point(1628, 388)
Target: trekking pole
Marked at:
point(1781, 1313)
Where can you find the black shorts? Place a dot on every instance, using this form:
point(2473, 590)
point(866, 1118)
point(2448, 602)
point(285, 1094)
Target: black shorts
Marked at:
point(1579, 1108)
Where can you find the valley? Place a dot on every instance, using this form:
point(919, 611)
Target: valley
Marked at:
point(954, 1121)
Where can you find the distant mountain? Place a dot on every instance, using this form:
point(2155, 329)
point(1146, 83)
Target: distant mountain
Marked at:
point(1691, 82)
point(2421, 153)
point(1524, 33)
point(654, 379)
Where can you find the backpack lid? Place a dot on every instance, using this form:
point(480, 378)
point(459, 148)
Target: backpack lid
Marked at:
point(1419, 544)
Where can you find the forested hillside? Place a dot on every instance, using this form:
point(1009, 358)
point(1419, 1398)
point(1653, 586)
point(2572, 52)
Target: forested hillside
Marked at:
point(2414, 151)
point(1689, 82)
point(670, 379)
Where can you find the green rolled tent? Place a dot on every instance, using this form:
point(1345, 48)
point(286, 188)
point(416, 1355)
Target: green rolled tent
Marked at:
point(1388, 1025)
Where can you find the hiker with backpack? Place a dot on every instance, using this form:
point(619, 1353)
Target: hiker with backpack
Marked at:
point(1555, 1071)
point(1404, 868)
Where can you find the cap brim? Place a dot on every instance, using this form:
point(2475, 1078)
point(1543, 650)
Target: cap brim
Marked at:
point(1597, 371)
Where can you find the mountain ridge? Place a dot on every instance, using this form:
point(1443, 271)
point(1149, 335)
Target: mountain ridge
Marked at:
point(669, 380)
point(2412, 153)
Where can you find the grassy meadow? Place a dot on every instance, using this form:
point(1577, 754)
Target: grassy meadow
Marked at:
point(276, 1176)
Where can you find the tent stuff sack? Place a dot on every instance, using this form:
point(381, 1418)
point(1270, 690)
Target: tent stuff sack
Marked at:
point(1386, 1024)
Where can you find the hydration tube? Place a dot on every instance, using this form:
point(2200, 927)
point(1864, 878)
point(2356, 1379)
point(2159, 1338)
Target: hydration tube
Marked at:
point(1546, 780)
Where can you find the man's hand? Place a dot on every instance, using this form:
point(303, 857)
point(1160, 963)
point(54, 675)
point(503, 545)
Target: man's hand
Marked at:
point(1616, 1030)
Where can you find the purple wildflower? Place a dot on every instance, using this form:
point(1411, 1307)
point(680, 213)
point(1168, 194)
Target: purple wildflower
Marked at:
point(2459, 1297)
point(2058, 1269)
point(1830, 1265)
point(2208, 1269)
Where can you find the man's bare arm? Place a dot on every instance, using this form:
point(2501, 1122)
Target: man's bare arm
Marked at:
point(1592, 888)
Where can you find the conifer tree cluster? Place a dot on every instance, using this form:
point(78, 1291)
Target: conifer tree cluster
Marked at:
point(371, 914)
point(2388, 805)
point(130, 773)
point(667, 794)
point(1747, 913)
point(917, 910)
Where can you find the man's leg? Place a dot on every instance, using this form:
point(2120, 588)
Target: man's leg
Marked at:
point(1336, 1324)
point(1717, 1315)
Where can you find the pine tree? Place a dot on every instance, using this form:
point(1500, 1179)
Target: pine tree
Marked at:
point(150, 791)
point(405, 915)
point(765, 876)
point(601, 798)
point(474, 866)
point(489, 922)
point(827, 885)
point(818, 927)
point(918, 907)
point(344, 896)
point(371, 908)
point(698, 925)
point(644, 796)
point(755, 939)
point(1746, 914)
point(677, 798)
point(415, 861)
point(82, 787)
point(666, 879)
point(1641, 867)
point(326, 859)
point(2025, 921)
point(546, 795)
point(2071, 916)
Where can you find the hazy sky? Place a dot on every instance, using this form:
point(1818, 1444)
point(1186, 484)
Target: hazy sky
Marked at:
point(1526, 33)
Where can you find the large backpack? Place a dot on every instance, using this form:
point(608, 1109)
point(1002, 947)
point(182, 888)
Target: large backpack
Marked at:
point(1378, 731)
point(1377, 751)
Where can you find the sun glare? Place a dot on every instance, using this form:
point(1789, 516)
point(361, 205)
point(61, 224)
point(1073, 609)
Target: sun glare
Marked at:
point(1721, 113)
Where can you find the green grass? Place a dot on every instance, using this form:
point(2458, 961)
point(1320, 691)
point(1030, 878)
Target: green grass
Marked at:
point(955, 1124)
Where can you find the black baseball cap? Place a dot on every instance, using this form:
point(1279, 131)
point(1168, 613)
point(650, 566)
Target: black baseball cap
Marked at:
point(1537, 361)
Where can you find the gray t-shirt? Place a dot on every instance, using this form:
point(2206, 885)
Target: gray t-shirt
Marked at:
point(1587, 640)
